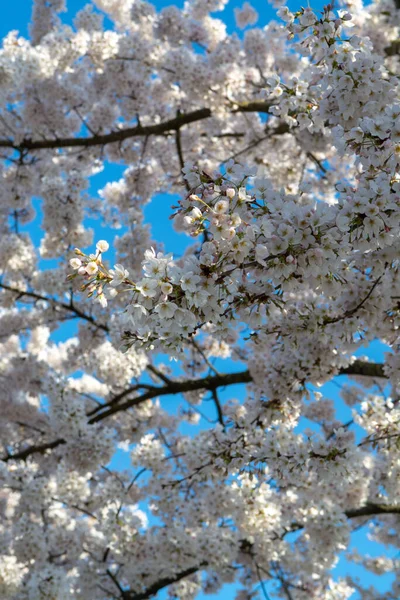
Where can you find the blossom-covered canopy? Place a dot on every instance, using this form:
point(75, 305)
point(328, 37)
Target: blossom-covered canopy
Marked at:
point(282, 144)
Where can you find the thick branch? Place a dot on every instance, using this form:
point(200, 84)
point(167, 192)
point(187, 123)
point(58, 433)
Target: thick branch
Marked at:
point(113, 137)
point(131, 132)
point(39, 449)
point(364, 369)
point(371, 510)
point(211, 383)
point(394, 47)
point(162, 583)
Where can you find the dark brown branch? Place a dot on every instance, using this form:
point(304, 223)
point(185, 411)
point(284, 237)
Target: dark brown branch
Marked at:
point(162, 583)
point(394, 47)
point(371, 510)
point(262, 583)
point(56, 303)
point(318, 163)
point(211, 383)
point(179, 150)
point(218, 408)
point(285, 585)
point(120, 396)
point(158, 374)
point(117, 584)
point(352, 311)
point(130, 132)
point(364, 369)
point(252, 106)
point(39, 449)
point(113, 137)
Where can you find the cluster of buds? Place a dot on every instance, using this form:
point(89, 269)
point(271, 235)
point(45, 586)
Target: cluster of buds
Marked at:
point(98, 276)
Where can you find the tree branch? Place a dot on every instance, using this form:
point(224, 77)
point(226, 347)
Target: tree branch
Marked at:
point(39, 449)
point(179, 150)
point(162, 583)
point(218, 407)
point(211, 383)
point(117, 584)
point(364, 369)
point(369, 510)
point(352, 311)
point(130, 132)
point(57, 303)
point(394, 47)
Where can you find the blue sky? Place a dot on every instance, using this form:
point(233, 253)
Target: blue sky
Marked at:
point(16, 15)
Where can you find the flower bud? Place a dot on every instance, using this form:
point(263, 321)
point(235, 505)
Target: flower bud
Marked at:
point(75, 263)
point(102, 246)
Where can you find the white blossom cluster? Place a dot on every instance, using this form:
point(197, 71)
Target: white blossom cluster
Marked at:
point(123, 475)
